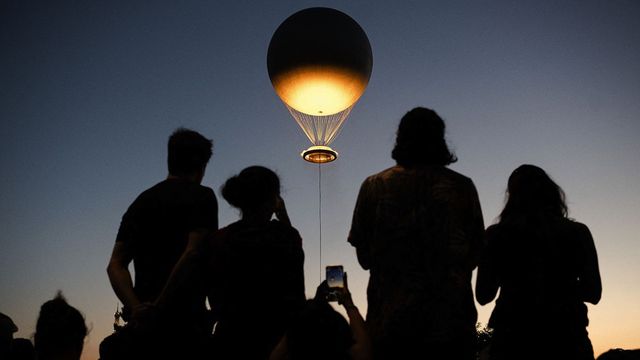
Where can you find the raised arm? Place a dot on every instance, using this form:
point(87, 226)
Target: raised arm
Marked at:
point(281, 211)
point(361, 349)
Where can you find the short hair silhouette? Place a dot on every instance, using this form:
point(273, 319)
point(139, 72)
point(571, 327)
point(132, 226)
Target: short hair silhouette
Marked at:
point(189, 152)
point(251, 187)
point(531, 191)
point(60, 330)
point(420, 140)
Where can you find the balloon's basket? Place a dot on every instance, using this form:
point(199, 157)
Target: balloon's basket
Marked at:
point(319, 154)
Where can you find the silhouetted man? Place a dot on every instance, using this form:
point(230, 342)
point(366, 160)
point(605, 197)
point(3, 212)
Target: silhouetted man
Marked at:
point(418, 228)
point(162, 232)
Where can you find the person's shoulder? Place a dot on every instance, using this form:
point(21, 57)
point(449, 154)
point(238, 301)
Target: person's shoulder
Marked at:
point(288, 232)
point(192, 186)
point(146, 196)
point(190, 189)
point(384, 174)
point(576, 226)
point(152, 190)
point(219, 236)
point(160, 190)
point(494, 230)
point(280, 226)
point(205, 191)
point(456, 176)
point(575, 223)
point(229, 229)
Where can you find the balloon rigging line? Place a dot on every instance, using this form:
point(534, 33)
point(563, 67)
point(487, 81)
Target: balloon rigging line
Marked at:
point(320, 129)
point(320, 216)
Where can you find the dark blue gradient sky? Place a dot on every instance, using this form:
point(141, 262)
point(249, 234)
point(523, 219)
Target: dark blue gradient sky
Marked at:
point(90, 91)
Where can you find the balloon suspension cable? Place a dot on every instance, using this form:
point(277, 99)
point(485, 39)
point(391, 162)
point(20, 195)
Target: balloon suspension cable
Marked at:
point(320, 216)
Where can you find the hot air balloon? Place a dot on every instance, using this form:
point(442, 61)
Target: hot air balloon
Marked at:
point(319, 62)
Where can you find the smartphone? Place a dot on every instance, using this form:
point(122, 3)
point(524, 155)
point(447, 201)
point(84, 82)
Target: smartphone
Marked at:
point(335, 276)
point(335, 279)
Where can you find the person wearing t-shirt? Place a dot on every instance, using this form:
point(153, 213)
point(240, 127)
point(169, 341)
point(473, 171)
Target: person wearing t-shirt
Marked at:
point(162, 233)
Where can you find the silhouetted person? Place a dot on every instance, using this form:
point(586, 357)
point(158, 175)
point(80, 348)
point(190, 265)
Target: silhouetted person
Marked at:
point(418, 228)
point(23, 349)
point(319, 332)
point(546, 268)
point(7, 328)
point(60, 331)
point(620, 354)
point(257, 275)
point(13, 348)
point(163, 232)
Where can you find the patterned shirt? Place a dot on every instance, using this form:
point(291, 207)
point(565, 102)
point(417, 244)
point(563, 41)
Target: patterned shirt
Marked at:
point(419, 231)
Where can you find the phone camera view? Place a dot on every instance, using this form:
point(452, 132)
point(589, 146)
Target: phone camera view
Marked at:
point(335, 279)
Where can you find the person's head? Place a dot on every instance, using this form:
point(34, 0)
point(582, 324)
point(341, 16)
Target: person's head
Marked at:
point(60, 330)
point(7, 328)
point(319, 332)
point(254, 188)
point(420, 140)
point(531, 191)
point(188, 153)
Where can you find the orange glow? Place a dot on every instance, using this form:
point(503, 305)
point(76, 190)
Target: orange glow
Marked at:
point(320, 90)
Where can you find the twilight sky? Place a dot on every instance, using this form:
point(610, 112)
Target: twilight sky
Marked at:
point(91, 90)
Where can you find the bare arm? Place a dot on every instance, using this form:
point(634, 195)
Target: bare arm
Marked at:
point(119, 275)
point(361, 224)
point(361, 349)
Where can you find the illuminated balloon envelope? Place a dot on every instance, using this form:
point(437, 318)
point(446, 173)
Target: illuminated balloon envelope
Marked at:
point(319, 63)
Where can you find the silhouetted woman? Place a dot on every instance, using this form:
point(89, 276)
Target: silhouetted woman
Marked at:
point(257, 275)
point(546, 268)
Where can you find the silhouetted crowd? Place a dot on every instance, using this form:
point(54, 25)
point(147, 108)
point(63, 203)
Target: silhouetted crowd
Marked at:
point(238, 292)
